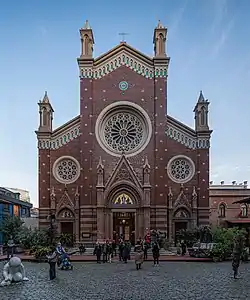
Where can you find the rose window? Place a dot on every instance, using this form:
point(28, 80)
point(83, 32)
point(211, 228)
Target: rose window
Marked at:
point(180, 169)
point(66, 170)
point(123, 130)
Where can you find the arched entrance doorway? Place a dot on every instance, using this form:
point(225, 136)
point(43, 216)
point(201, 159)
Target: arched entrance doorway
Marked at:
point(181, 222)
point(124, 218)
point(66, 221)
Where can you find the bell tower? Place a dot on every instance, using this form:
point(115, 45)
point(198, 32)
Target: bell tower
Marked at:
point(159, 41)
point(201, 114)
point(87, 41)
point(46, 114)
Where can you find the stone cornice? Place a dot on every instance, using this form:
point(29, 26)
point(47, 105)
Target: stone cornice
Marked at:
point(186, 135)
point(125, 55)
point(61, 136)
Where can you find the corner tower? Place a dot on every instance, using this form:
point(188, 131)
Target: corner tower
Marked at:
point(44, 134)
point(203, 134)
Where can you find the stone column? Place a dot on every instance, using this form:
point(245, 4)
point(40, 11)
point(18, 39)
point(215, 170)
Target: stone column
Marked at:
point(77, 226)
point(170, 227)
point(100, 223)
point(138, 224)
point(146, 219)
point(107, 224)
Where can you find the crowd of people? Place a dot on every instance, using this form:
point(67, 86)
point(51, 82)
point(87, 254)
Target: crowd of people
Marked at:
point(106, 251)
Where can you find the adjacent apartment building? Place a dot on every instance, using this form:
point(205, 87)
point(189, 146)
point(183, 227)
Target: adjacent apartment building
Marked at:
point(11, 204)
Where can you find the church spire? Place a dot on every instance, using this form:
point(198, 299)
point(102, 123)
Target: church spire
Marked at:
point(87, 41)
point(201, 97)
point(159, 41)
point(46, 114)
point(201, 114)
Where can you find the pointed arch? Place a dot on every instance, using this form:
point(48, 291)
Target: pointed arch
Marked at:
point(203, 115)
point(44, 116)
point(182, 213)
point(123, 188)
point(86, 41)
point(65, 212)
point(222, 210)
point(244, 210)
point(161, 44)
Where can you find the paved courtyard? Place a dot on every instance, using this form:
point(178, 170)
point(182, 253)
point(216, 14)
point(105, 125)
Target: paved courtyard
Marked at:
point(171, 280)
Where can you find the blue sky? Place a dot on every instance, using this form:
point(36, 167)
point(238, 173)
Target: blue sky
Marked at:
point(209, 46)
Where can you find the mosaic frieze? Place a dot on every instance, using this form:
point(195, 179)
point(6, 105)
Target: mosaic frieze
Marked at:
point(60, 140)
point(186, 139)
point(124, 59)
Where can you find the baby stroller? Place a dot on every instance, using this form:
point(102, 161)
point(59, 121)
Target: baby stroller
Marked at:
point(65, 262)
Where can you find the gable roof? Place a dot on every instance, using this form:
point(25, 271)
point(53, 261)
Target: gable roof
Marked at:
point(123, 46)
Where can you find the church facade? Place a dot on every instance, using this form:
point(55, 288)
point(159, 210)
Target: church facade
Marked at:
point(123, 165)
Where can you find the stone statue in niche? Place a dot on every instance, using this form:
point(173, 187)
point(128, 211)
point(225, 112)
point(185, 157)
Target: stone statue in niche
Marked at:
point(13, 271)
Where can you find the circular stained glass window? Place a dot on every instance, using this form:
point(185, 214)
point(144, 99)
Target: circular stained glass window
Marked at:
point(181, 169)
point(123, 129)
point(66, 169)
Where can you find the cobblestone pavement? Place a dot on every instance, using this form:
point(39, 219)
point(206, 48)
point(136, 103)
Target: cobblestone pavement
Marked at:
point(171, 280)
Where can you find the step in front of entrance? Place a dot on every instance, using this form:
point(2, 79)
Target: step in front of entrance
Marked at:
point(90, 251)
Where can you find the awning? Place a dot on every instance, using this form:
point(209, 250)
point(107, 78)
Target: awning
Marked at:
point(245, 200)
point(239, 221)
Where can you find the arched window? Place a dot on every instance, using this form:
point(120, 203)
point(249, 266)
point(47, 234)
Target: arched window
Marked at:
point(203, 116)
point(244, 210)
point(222, 210)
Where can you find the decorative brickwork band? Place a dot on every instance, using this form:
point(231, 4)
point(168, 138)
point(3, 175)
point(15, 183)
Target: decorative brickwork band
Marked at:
point(124, 59)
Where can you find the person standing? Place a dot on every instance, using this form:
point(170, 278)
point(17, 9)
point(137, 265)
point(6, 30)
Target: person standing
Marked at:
point(156, 253)
point(104, 252)
point(109, 252)
point(138, 255)
point(121, 248)
point(98, 252)
point(114, 248)
point(52, 259)
point(10, 248)
point(237, 252)
point(183, 248)
point(125, 252)
point(145, 250)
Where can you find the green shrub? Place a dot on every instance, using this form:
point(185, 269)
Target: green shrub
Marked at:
point(41, 252)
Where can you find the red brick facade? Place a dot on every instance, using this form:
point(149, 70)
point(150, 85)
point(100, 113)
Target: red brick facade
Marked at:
point(158, 201)
point(223, 210)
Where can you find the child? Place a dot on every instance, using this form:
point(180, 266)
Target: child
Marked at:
point(52, 259)
point(138, 255)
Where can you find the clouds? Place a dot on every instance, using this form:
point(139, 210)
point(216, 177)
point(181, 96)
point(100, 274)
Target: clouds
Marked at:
point(222, 24)
point(223, 37)
point(177, 18)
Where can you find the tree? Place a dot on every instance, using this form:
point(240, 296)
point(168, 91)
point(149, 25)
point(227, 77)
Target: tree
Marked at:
point(10, 227)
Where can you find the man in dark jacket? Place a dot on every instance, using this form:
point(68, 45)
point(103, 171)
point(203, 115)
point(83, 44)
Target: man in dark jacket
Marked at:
point(121, 247)
point(98, 252)
point(156, 253)
point(125, 252)
point(114, 248)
